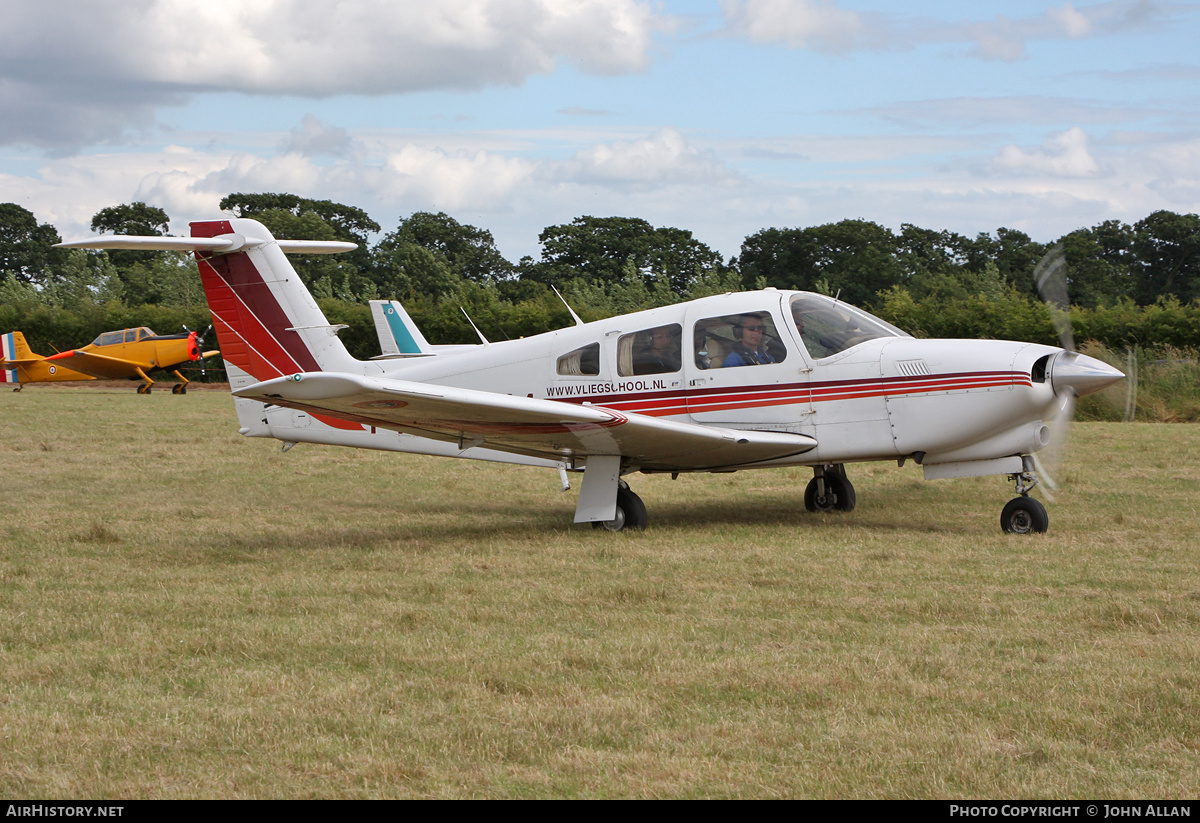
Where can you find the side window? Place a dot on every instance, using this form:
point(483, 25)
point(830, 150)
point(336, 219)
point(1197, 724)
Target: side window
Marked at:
point(110, 338)
point(749, 339)
point(131, 336)
point(650, 351)
point(582, 361)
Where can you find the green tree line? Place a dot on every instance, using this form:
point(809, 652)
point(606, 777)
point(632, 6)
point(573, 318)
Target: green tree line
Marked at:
point(1129, 285)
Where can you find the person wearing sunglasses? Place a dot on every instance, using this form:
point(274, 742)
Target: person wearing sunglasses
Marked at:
point(749, 351)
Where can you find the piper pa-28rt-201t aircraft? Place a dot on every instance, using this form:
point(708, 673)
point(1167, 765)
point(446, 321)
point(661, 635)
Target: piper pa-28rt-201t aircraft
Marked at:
point(737, 381)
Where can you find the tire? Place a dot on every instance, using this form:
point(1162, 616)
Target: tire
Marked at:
point(839, 495)
point(1024, 515)
point(631, 513)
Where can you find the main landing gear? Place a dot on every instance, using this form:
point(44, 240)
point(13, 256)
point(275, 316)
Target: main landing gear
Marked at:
point(829, 490)
point(1024, 514)
point(631, 512)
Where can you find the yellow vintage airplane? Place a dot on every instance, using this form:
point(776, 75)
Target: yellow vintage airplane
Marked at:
point(114, 355)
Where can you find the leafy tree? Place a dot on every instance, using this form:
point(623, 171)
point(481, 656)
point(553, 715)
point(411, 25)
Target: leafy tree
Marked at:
point(1098, 261)
point(349, 223)
point(1167, 257)
point(856, 259)
point(26, 248)
point(139, 220)
point(434, 254)
point(132, 218)
point(1015, 254)
point(607, 250)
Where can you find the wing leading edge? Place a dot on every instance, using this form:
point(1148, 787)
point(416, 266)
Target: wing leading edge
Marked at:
point(524, 425)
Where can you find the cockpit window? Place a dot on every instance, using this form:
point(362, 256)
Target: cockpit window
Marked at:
point(109, 338)
point(748, 339)
point(827, 326)
point(144, 333)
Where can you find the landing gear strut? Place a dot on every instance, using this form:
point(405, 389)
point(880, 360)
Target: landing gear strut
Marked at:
point(829, 490)
point(1024, 514)
point(631, 512)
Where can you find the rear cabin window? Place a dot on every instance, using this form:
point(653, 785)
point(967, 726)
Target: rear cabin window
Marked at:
point(732, 340)
point(581, 362)
point(650, 351)
point(109, 338)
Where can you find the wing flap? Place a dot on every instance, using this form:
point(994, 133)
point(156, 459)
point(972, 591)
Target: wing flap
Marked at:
point(524, 425)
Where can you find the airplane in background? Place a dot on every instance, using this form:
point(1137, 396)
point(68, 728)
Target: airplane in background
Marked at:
point(114, 355)
point(726, 383)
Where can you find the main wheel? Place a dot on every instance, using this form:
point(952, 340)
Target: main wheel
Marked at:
point(1024, 515)
point(144, 388)
point(839, 495)
point(631, 513)
point(179, 388)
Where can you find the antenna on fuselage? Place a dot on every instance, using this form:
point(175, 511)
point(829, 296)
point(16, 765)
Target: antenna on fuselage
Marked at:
point(476, 328)
point(578, 321)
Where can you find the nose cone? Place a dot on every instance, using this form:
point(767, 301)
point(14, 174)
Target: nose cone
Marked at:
point(193, 349)
point(1081, 374)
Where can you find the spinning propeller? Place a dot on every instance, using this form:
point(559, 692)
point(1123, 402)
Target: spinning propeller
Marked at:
point(1071, 374)
point(199, 339)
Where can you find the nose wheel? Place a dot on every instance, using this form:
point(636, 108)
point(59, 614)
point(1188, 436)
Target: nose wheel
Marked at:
point(1024, 514)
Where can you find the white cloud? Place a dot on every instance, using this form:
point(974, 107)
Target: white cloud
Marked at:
point(68, 80)
point(664, 157)
point(811, 24)
point(1063, 155)
point(314, 137)
point(822, 26)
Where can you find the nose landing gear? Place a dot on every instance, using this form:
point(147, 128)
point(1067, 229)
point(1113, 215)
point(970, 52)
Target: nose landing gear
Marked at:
point(1024, 514)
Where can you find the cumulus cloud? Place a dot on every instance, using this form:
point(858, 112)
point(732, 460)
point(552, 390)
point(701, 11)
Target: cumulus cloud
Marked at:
point(811, 24)
point(820, 25)
point(1063, 155)
point(663, 158)
point(73, 79)
point(314, 137)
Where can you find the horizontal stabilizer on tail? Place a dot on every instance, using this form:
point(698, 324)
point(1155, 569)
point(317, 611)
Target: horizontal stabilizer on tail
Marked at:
point(217, 245)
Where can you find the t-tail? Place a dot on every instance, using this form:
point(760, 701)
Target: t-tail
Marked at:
point(268, 325)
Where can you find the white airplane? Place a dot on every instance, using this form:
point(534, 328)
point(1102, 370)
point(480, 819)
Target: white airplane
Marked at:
point(737, 381)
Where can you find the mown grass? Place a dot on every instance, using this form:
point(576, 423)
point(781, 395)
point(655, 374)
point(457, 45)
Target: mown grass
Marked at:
point(187, 613)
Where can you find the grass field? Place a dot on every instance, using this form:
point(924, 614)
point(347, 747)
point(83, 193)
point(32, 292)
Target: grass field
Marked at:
point(187, 613)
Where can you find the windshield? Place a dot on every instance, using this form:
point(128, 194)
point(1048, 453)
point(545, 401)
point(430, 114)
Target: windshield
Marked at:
point(828, 326)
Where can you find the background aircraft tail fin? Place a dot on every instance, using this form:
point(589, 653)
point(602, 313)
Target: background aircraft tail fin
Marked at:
point(14, 349)
point(267, 323)
point(397, 332)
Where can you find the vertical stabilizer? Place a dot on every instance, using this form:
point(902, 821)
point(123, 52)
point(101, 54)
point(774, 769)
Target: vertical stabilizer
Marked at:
point(267, 323)
point(13, 348)
point(397, 332)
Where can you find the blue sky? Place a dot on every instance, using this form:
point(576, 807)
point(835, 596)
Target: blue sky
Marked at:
point(720, 117)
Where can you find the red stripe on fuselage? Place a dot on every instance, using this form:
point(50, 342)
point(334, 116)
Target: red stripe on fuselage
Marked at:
point(678, 401)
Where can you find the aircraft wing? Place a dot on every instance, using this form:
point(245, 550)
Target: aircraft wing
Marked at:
point(97, 365)
point(524, 425)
